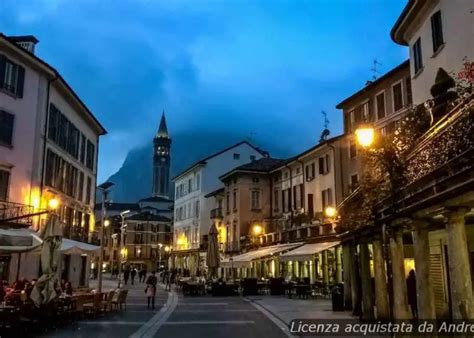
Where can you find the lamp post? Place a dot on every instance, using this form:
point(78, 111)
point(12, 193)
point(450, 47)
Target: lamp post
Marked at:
point(123, 227)
point(365, 137)
point(159, 255)
point(104, 188)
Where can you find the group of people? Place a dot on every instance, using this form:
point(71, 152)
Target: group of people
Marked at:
point(21, 285)
point(130, 273)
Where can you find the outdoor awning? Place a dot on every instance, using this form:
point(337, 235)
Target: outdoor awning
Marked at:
point(307, 251)
point(245, 260)
point(70, 247)
point(18, 240)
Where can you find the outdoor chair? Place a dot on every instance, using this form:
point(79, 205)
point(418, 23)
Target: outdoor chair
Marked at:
point(106, 304)
point(120, 300)
point(95, 306)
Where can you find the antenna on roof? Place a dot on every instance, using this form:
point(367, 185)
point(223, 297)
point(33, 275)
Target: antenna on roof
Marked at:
point(325, 133)
point(374, 69)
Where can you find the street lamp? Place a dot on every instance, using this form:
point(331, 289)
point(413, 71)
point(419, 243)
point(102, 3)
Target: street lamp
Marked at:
point(257, 229)
point(104, 188)
point(53, 204)
point(123, 227)
point(365, 136)
point(330, 212)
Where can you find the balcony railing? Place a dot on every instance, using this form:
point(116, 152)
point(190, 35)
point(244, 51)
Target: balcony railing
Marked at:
point(16, 213)
point(216, 213)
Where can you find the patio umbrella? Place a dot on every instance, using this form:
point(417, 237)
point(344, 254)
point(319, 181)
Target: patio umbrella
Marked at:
point(43, 291)
point(213, 258)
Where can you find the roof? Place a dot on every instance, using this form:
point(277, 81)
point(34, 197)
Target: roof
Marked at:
point(203, 161)
point(407, 16)
point(118, 206)
point(55, 75)
point(262, 165)
point(147, 216)
point(215, 192)
point(162, 130)
point(371, 85)
point(156, 199)
point(22, 38)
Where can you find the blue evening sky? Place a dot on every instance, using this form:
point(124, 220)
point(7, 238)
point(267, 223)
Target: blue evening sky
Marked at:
point(257, 67)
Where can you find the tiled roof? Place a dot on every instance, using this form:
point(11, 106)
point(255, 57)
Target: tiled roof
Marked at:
point(155, 199)
point(147, 216)
point(261, 165)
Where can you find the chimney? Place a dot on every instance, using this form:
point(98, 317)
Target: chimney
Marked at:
point(27, 42)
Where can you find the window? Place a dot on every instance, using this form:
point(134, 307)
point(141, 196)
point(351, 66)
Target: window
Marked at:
point(437, 31)
point(354, 182)
point(12, 77)
point(83, 149)
point(60, 174)
point(255, 179)
point(198, 181)
point(255, 199)
point(324, 164)
point(234, 199)
point(197, 209)
point(6, 128)
point(417, 56)
point(190, 185)
point(90, 155)
point(236, 156)
point(88, 190)
point(380, 105)
point(4, 182)
point(397, 97)
point(408, 89)
point(227, 202)
point(310, 171)
point(283, 201)
point(62, 132)
point(252, 158)
point(276, 206)
point(352, 149)
point(80, 188)
point(326, 198)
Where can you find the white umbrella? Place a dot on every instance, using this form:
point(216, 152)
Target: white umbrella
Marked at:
point(44, 292)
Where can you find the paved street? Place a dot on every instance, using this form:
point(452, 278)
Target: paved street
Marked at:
point(177, 316)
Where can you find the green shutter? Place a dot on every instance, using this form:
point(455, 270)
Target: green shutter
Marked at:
point(3, 62)
point(21, 81)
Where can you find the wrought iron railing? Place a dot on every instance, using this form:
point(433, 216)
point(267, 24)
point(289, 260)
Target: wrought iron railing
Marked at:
point(16, 213)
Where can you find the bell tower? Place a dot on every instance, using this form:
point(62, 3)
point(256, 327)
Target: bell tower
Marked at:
point(161, 160)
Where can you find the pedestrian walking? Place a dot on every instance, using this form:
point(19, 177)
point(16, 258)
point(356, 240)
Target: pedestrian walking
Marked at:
point(126, 275)
point(151, 290)
point(133, 273)
point(411, 293)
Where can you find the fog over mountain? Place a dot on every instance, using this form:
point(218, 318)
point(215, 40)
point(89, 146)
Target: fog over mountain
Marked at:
point(133, 179)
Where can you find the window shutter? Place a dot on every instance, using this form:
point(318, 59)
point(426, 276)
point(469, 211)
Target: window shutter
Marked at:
point(330, 197)
point(20, 82)
point(3, 60)
point(321, 166)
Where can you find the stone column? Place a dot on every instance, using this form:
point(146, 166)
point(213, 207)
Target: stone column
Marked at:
point(346, 260)
point(338, 260)
point(355, 282)
point(459, 267)
point(424, 291)
point(366, 282)
point(324, 255)
point(380, 277)
point(400, 301)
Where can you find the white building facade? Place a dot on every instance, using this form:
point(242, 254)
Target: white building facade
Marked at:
point(191, 208)
point(48, 149)
point(439, 34)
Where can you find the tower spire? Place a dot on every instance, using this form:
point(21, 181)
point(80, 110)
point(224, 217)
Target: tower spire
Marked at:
point(162, 129)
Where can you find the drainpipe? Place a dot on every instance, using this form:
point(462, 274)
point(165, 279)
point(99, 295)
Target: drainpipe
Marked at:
point(45, 136)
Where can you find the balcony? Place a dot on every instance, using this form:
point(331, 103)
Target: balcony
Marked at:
point(16, 214)
point(216, 213)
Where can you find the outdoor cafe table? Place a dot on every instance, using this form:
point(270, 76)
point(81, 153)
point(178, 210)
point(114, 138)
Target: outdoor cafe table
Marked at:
point(300, 290)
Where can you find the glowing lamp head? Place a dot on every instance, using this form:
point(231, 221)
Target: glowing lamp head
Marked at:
point(257, 229)
point(365, 136)
point(167, 248)
point(53, 203)
point(106, 223)
point(330, 212)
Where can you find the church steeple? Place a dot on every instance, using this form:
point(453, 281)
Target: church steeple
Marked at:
point(162, 129)
point(161, 160)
